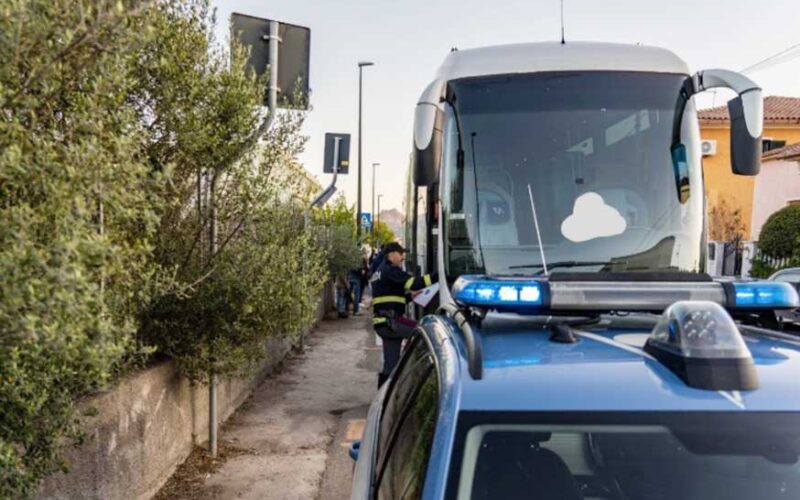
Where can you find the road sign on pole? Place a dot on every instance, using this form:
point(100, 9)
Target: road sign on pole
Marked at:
point(337, 153)
point(292, 61)
point(366, 221)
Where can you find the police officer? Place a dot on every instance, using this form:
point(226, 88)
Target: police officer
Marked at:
point(390, 284)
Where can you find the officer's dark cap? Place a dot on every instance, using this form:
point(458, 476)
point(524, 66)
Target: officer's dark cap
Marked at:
point(393, 247)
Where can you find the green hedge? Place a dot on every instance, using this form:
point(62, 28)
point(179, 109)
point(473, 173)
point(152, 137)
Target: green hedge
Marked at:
point(779, 235)
point(115, 115)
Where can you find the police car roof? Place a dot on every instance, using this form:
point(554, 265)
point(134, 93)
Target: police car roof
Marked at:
point(606, 370)
point(554, 56)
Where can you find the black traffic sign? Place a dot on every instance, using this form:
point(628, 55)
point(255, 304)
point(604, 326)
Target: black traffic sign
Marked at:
point(293, 55)
point(342, 153)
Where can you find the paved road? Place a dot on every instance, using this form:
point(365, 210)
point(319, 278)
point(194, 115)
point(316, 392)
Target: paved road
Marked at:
point(297, 426)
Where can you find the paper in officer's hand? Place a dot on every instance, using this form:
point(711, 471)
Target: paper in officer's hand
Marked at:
point(426, 295)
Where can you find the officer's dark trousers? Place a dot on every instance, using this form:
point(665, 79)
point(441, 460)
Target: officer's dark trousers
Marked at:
point(391, 354)
point(392, 343)
point(392, 339)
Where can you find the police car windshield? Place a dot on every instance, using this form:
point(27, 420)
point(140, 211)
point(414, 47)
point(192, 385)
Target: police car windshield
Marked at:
point(633, 457)
point(598, 157)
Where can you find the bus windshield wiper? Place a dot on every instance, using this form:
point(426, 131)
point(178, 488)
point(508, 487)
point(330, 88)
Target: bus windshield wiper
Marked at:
point(564, 263)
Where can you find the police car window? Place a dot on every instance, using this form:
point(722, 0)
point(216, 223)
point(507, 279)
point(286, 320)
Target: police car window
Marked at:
point(412, 369)
point(403, 476)
point(693, 457)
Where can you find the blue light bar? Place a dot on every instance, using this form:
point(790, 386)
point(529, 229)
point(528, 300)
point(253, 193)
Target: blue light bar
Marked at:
point(497, 293)
point(766, 295)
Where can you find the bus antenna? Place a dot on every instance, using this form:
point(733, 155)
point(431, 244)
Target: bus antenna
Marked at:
point(538, 234)
point(562, 23)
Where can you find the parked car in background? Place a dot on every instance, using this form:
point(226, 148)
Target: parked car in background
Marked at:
point(792, 276)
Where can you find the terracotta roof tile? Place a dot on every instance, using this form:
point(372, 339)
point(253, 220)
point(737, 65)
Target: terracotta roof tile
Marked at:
point(789, 152)
point(777, 109)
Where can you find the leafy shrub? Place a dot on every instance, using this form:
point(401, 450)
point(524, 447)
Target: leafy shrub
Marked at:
point(261, 286)
point(780, 233)
point(381, 235)
point(339, 237)
point(76, 220)
point(761, 269)
point(117, 118)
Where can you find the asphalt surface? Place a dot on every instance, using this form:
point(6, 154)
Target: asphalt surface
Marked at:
point(290, 439)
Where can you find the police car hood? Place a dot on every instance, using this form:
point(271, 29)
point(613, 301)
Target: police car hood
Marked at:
point(607, 370)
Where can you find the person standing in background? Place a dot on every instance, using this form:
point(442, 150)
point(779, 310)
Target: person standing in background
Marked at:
point(342, 292)
point(364, 274)
point(354, 282)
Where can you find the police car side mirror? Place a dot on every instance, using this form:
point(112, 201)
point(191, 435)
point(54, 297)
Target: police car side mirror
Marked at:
point(746, 114)
point(428, 133)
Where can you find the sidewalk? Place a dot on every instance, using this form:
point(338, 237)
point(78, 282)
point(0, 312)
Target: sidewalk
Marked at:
point(277, 445)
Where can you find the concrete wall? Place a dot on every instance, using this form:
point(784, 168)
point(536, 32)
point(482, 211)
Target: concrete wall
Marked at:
point(147, 425)
point(776, 185)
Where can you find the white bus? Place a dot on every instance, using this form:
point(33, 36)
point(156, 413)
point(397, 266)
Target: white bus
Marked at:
point(544, 158)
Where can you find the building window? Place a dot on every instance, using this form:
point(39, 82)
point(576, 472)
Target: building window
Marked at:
point(770, 144)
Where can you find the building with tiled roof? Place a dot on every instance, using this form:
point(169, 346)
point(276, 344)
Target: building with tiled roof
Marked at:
point(781, 128)
point(777, 110)
point(790, 152)
point(778, 184)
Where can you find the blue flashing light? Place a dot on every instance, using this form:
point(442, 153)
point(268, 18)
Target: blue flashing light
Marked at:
point(497, 293)
point(766, 295)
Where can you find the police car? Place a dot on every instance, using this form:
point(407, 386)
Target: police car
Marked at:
point(686, 404)
point(579, 350)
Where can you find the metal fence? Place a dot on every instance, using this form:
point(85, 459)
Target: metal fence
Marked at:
point(737, 258)
point(777, 263)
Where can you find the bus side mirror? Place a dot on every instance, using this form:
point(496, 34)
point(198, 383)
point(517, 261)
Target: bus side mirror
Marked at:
point(745, 143)
point(746, 114)
point(428, 133)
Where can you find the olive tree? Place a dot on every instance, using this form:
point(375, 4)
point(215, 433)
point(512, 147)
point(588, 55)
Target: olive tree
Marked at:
point(76, 219)
point(117, 117)
point(244, 267)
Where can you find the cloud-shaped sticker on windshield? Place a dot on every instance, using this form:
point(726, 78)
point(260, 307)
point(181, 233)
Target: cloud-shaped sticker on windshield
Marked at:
point(591, 218)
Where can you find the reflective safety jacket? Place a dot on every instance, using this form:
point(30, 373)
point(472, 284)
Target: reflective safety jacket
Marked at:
point(389, 286)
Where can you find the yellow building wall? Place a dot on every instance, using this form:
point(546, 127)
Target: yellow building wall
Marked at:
point(721, 183)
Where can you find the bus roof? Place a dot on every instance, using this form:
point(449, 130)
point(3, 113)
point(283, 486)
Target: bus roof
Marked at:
point(554, 56)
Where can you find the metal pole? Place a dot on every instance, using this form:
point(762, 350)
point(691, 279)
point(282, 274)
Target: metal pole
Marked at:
point(358, 210)
point(379, 210)
point(212, 382)
point(358, 203)
point(323, 195)
point(372, 229)
point(272, 102)
point(212, 415)
point(274, 41)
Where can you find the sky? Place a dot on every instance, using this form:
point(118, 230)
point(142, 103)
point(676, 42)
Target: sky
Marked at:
point(408, 39)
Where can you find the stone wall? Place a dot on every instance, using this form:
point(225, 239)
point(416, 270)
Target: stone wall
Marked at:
point(141, 430)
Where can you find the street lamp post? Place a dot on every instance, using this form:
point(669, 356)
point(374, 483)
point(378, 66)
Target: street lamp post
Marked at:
point(358, 204)
point(379, 210)
point(372, 229)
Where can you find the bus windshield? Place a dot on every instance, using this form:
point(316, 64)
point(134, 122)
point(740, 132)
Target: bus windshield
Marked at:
point(587, 171)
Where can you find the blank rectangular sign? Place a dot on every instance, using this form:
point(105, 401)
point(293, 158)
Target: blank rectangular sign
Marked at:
point(293, 56)
point(344, 153)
